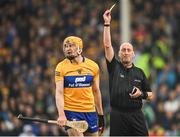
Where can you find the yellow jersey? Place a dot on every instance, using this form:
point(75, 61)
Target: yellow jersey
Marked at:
point(78, 80)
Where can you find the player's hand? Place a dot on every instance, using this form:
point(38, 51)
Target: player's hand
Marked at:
point(107, 17)
point(101, 124)
point(135, 93)
point(61, 121)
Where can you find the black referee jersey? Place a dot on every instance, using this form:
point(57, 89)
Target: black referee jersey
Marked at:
point(121, 83)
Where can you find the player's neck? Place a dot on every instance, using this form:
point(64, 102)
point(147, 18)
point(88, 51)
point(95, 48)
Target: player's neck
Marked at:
point(77, 60)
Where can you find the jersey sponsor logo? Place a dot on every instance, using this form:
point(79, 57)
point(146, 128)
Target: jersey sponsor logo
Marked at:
point(78, 81)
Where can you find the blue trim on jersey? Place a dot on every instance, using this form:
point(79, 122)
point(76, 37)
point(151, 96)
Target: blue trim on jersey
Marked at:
point(78, 81)
point(90, 117)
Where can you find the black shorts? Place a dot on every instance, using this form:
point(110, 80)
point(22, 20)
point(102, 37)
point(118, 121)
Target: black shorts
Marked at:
point(127, 123)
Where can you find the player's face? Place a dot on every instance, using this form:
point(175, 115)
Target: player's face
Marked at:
point(126, 53)
point(70, 50)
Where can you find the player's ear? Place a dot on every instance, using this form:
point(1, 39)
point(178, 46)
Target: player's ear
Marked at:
point(79, 51)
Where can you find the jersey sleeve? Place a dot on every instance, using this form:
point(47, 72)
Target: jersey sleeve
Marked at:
point(145, 85)
point(59, 73)
point(111, 65)
point(96, 72)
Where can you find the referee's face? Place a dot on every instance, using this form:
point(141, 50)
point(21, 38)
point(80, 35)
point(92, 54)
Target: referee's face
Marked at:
point(126, 53)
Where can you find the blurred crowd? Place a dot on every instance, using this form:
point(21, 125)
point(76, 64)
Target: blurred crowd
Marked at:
point(31, 36)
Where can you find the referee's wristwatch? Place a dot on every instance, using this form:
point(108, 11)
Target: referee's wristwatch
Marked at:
point(144, 95)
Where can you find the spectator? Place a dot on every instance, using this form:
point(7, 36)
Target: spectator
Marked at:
point(27, 132)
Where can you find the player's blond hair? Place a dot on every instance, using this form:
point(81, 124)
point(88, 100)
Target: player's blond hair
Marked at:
point(74, 39)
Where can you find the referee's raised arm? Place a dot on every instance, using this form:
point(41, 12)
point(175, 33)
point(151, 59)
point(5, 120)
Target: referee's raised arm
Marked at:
point(128, 86)
point(109, 52)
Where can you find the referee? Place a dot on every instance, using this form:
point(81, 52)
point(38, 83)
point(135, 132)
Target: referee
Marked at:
point(128, 86)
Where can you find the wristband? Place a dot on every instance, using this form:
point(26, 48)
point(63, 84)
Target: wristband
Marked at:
point(106, 25)
point(101, 124)
point(101, 120)
point(144, 95)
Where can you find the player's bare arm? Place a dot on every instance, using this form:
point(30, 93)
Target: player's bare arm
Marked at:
point(97, 97)
point(60, 103)
point(98, 103)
